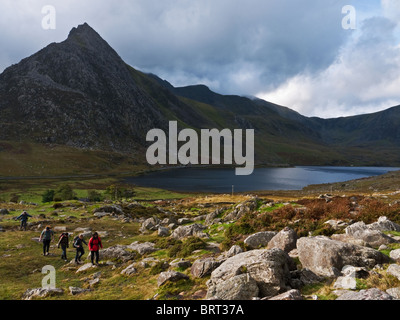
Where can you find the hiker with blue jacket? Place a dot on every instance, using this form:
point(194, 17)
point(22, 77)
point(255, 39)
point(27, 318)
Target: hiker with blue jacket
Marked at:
point(24, 216)
point(47, 235)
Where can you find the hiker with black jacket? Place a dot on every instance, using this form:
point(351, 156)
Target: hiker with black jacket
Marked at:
point(78, 244)
point(63, 241)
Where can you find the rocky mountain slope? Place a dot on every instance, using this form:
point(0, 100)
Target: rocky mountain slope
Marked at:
point(80, 93)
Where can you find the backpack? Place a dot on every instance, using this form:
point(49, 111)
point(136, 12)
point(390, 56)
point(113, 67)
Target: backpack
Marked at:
point(63, 238)
point(75, 239)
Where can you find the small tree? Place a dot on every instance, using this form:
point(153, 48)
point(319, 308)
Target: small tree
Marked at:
point(48, 196)
point(116, 192)
point(93, 195)
point(64, 192)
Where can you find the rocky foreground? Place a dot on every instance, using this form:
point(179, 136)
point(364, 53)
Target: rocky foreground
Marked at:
point(346, 257)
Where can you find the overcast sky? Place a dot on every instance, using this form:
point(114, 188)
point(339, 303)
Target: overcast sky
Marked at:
point(291, 52)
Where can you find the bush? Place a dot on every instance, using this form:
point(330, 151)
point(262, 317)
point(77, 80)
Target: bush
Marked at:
point(184, 249)
point(48, 196)
point(94, 196)
point(64, 192)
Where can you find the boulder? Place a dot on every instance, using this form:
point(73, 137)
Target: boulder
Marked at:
point(118, 252)
point(384, 224)
point(75, 290)
point(394, 270)
point(167, 221)
point(210, 218)
point(193, 230)
point(163, 232)
point(372, 237)
point(101, 214)
point(347, 283)
point(184, 221)
point(85, 267)
point(370, 294)
point(286, 240)
point(170, 276)
point(289, 295)
point(395, 254)
point(349, 239)
point(142, 248)
point(204, 267)
point(394, 292)
point(260, 239)
point(181, 263)
point(129, 270)
point(355, 272)
point(233, 251)
point(41, 293)
point(150, 224)
point(269, 268)
point(325, 257)
point(303, 277)
point(240, 287)
point(115, 209)
point(336, 224)
point(241, 209)
point(4, 212)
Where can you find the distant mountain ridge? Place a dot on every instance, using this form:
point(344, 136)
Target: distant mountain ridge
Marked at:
point(80, 93)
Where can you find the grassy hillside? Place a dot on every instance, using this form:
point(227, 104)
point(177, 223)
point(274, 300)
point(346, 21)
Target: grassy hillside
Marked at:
point(302, 211)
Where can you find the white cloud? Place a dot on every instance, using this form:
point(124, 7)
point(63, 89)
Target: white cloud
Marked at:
point(364, 78)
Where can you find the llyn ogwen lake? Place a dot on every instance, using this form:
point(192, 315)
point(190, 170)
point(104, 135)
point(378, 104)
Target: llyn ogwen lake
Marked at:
point(222, 180)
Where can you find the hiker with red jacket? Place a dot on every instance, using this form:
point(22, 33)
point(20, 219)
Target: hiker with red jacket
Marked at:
point(94, 246)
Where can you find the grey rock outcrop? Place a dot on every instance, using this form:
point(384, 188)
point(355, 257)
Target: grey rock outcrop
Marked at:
point(41, 293)
point(241, 209)
point(269, 268)
point(259, 239)
point(372, 237)
point(131, 269)
point(384, 224)
point(151, 224)
point(240, 287)
point(4, 212)
point(193, 230)
point(370, 294)
point(394, 270)
point(286, 240)
point(293, 294)
point(326, 257)
point(119, 252)
point(204, 267)
point(233, 251)
point(395, 254)
point(142, 248)
point(172, 276)
point(75, 290)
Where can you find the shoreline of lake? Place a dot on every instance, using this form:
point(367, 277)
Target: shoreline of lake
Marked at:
point(221, 180)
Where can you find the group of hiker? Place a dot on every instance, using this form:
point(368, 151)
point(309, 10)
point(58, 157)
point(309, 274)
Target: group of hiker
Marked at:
point(47, 236)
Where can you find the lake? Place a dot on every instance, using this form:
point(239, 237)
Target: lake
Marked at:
point(221, 180)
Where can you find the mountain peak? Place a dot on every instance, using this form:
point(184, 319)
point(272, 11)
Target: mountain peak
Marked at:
point(81, 30)
point(84, 35)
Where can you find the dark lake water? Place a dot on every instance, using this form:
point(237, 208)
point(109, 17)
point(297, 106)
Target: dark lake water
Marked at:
point(221, 180)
